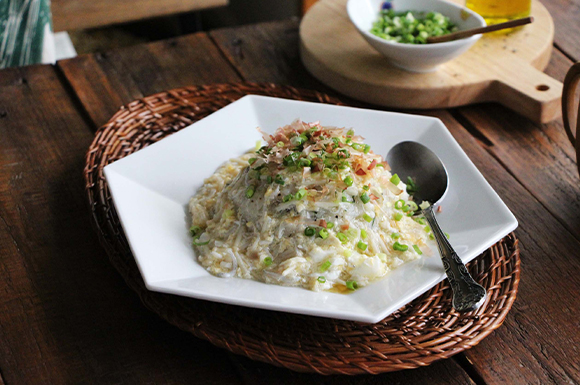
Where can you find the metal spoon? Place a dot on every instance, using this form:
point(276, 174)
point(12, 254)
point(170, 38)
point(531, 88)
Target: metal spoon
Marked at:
point(411, 159)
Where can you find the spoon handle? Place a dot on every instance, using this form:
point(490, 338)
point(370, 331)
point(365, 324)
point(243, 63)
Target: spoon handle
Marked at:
point(467, 294)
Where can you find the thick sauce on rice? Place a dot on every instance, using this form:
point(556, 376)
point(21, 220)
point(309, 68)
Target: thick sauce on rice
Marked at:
point(314, 208)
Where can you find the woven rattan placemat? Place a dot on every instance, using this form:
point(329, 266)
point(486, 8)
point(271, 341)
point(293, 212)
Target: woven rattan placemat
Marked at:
point(424, 331)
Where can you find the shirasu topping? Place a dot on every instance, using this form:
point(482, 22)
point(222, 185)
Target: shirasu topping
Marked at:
point(314, 207)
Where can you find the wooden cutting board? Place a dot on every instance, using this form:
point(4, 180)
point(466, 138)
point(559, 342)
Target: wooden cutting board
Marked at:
point(503, 68)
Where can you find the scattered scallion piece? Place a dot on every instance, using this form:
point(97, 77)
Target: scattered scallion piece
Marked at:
point(427, 229)
point(367, 218)
point(348, 181)
point(288, 198)
point(321, 279)
point(361, 245)
point(325, 266)
point(363, 234)
point(398, 216)
point(399, 204)
point(367, 148)
point(280, 144)
point(279, 180)
point(252, 160)
point(342, 237)
point(196, 243)
point(300, 194)
point(417, 249)
point(366, 188)
point(347, 252)
point(395, 235)
point(420, 220)
point(350, 132)
point(194, 230)
point(250, 192)
point(411, 186)
point(329, 225)
point(447, 235)
point(304, 162)
point(323, 233)
point(431, 236)
point(395, 179)
point(365, 198)
point(269, 179)
point(268, 261)
point(309, 231)
point(351, 285)
point(399, 247)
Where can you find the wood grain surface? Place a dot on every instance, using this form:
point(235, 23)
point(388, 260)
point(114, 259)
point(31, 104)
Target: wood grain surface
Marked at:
point(81, 14)
point(66, 316)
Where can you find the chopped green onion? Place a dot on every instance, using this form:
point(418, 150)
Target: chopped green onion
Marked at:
point(427, 229)
point(268, 261)
point(196, 243)
point(351, 285)
point(431, 236)
point(325, 266)
point(345, 198)
point(290, 159)
point(366, 188)
point(417, 249)
point(288, 198)
point(348, 181)
point(194, 230)
point(361, 245)
point(298, 140)
point(399, 204)
point(398, 216)
point(363, 234)
point(250, 192)
point(380, 165)
point(329, 225)
point(367, 218)
point(367, 149)
point(395, 179)
point(447, 235)
point(395, 235)
point(269, 179)
point(365, 198)
point(280, 144)
point(309, 231)
point(321, 279)
point(323, 233)
point(279, 180)
point(413, 206)
point(399, 247)
point(258, 145)
point(252, 160)
point(350, 133)
point(342, 237)
point(347, 253)
point(305, 162)
point(420, 220)
point(411, 186)
point(358, 146)
point(300, 194)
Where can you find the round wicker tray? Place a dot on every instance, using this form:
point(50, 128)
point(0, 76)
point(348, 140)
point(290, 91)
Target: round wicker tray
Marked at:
point(420, 333)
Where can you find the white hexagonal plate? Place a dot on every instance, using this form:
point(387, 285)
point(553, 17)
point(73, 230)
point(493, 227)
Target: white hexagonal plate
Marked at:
point(151, 190)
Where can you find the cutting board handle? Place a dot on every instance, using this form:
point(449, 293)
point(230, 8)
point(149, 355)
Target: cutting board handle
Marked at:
point(529, 91)
point(568, 99)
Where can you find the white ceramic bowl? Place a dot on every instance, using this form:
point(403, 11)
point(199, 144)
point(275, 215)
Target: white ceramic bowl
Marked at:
point(415, 57)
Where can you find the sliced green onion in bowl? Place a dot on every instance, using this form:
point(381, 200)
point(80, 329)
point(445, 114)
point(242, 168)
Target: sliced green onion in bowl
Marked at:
point(361, 245)
point(363, 234)
point(398, 216)
point(395, 179)
point(321, 279)
point(348, 181)
point(268, 261)
point(367, 218)
point(342, 238)
point(323, 233)
point(250, 192)
point(417, 249)
point(365, 198)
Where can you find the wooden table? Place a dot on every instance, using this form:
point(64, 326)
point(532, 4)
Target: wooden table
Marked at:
point(66, 315)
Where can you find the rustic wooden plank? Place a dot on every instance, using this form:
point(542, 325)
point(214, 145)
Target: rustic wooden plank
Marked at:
point(442, 372)
point(539, 156)
point(566, 14)
point(81, 14)
point(104, 82)
point(537, 344)
point(66, 316)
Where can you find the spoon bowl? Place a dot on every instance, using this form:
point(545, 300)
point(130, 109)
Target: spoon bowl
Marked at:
point(423, 166)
